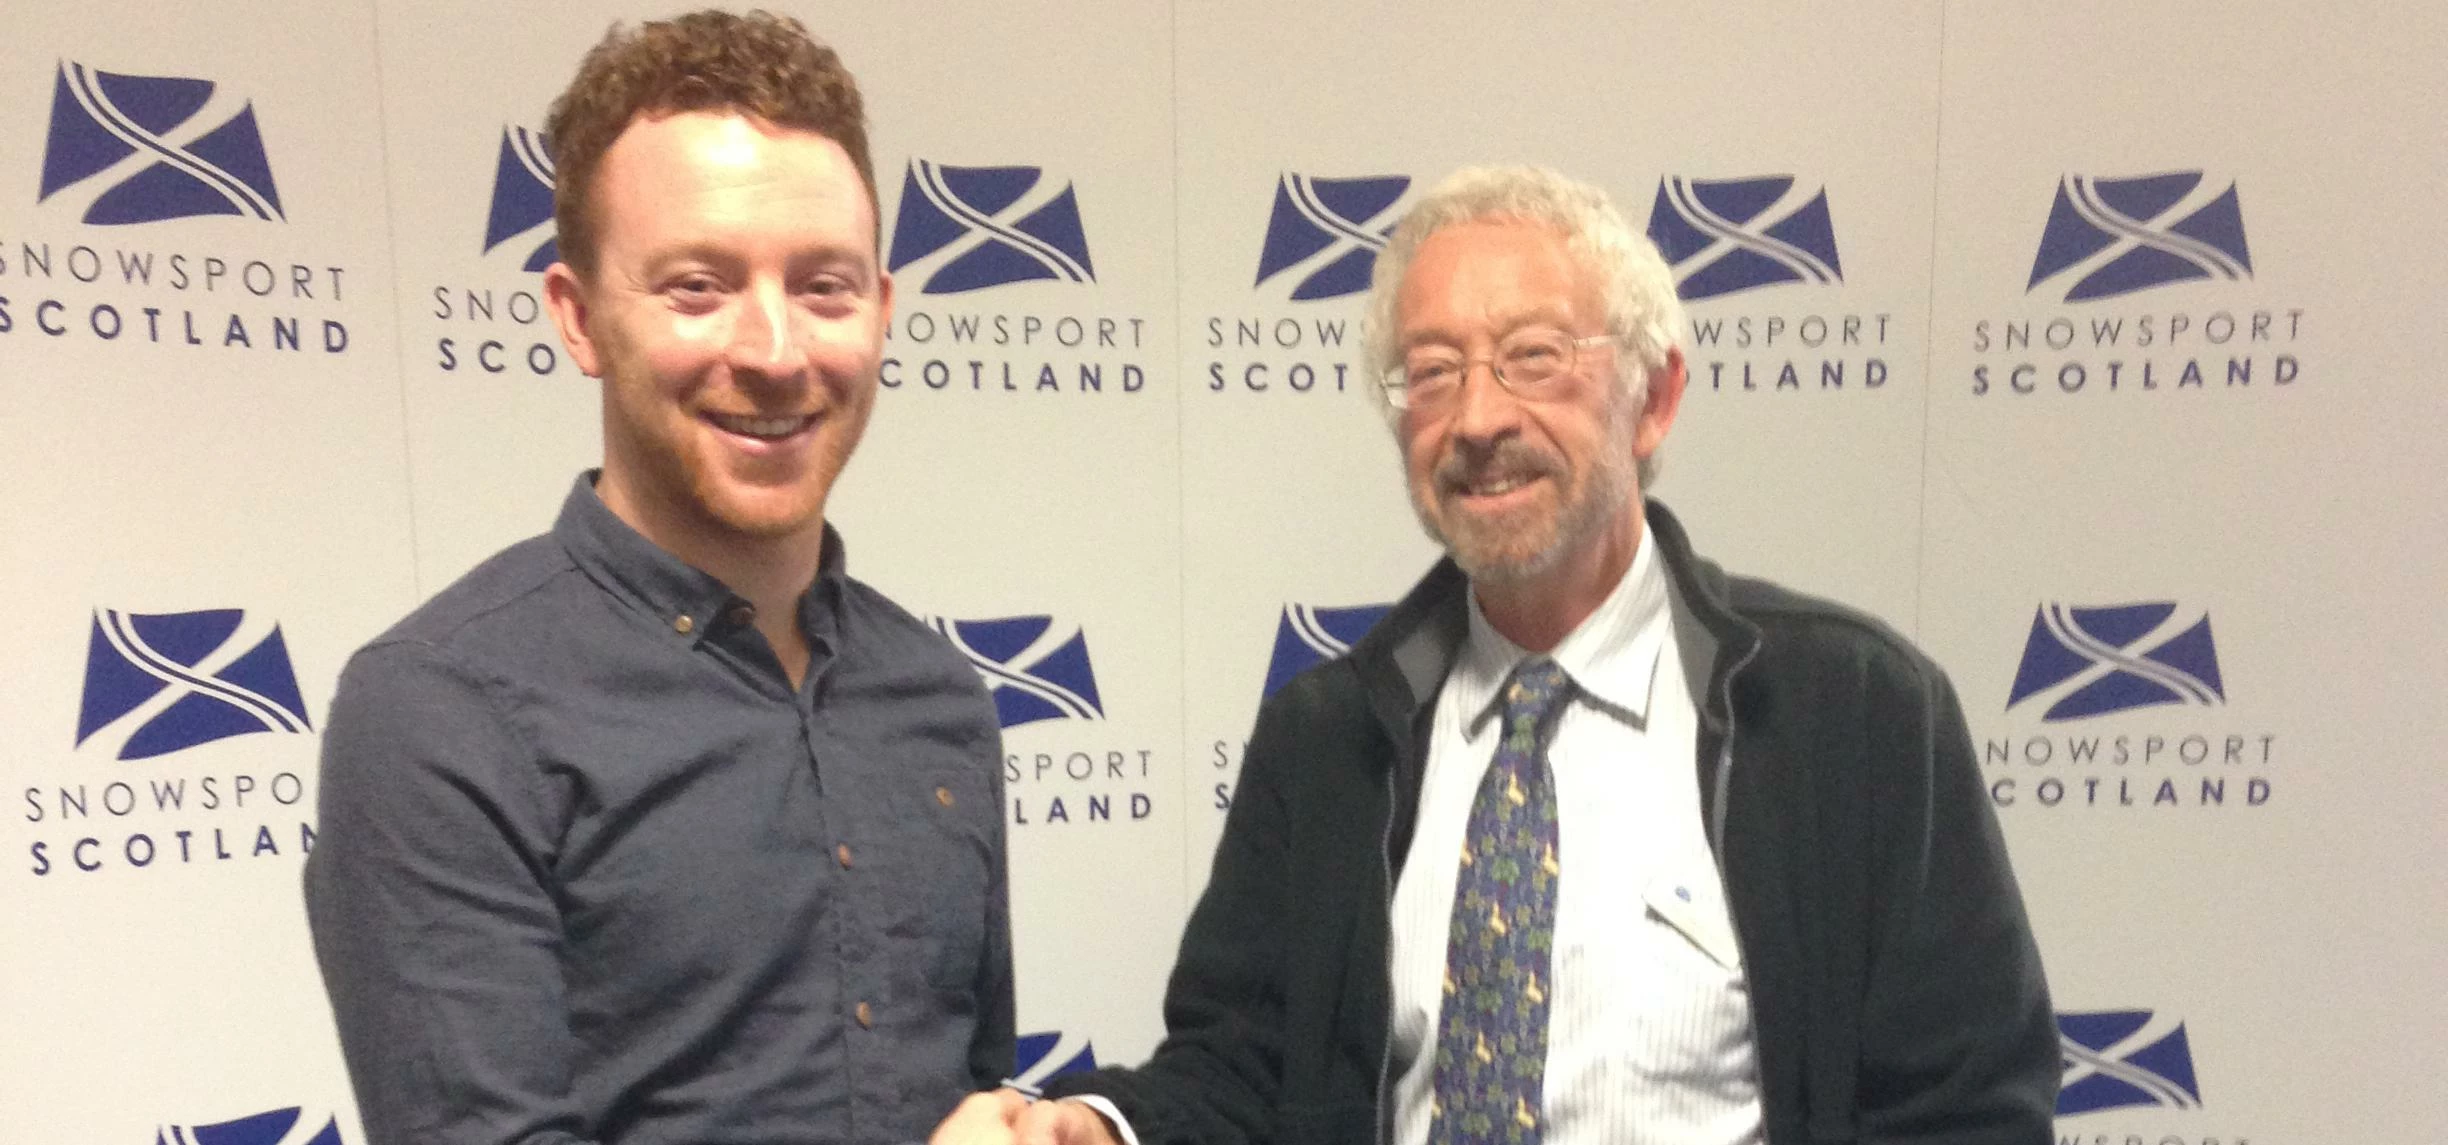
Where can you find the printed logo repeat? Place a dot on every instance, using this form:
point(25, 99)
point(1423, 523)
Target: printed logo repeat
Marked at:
point(182, 680)
point(2116, 1059)
point(523, 197)
point(2118, 236)
point(1307, 636)
point(978, 227)
point(169, 151)
point(274, 1127)
point(1034, 670)
point(1727, 235)
point(2090, 661)
point(1330, 230)
point(1050, 1055)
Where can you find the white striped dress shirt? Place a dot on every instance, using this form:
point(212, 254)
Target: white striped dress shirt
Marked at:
point(1649, 1023)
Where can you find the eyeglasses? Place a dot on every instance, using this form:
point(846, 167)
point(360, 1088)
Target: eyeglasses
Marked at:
point(1527, 363)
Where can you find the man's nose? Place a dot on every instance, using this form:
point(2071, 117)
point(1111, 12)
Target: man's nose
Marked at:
point(1483, 408)
point(764, 334)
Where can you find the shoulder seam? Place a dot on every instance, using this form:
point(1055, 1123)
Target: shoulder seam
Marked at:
point(487, 687)
point(450, 633)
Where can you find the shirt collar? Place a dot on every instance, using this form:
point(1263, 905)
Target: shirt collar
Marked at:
point(1612, 656)
point(688, 603)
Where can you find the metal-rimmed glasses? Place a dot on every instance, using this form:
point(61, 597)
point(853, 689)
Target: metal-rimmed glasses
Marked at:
point(1527, 363)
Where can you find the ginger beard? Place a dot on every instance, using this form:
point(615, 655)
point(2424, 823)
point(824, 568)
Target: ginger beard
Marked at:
point(757, 462)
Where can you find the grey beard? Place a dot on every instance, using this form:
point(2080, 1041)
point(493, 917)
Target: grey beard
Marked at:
point(1611, 484)
point(1610, 487)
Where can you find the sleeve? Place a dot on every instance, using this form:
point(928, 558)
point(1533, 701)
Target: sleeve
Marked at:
point(1117, 1124)
point(993, 1048)
point(429, 895)
point(1958, 1041)
point(1214, 1079)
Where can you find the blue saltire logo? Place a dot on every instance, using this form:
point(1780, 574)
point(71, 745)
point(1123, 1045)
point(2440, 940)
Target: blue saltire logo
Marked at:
point(2116, 1059)
point(1050, 1055)
point(1728, 235)
point(1034, 670)
point(991, 226)
point(158, 663)
point(178, 163)
point(523, 196)
point(1307, 636)
point(2101, 659)
point(2117, 236)
point(273, 1127)
point(1331, 229)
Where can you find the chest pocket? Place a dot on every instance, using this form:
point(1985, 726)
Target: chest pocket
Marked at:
point(934, 876)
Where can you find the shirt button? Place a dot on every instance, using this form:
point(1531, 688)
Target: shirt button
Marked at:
point(842, 852)
point(866, 1017)
point(740, 615)
point(943, 795)
point(684, 624)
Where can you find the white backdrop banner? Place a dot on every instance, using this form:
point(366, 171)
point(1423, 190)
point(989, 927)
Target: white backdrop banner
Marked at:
point(2094, 345)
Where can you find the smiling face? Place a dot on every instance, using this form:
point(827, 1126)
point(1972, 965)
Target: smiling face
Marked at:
point(1518, 488)
point(736, 316)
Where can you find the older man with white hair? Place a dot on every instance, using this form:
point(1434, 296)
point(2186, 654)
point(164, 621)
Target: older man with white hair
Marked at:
point(1587, 841)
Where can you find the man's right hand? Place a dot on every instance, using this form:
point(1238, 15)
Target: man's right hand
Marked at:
point(1063, 1123)
point(1003, 1117)
point(981, 1119)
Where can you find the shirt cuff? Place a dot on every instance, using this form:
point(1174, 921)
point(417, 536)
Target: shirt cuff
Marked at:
point(1113, 1117)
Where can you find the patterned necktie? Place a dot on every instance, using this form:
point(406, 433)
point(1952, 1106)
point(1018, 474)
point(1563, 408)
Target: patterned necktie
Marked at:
point(1491, 1048)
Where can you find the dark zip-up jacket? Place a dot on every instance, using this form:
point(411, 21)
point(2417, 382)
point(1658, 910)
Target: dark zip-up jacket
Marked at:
point(1895, 989)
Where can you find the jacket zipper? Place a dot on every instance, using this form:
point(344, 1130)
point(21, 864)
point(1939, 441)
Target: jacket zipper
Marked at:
point(1385, 1049)
point(1721, 804)
point(1725, 763)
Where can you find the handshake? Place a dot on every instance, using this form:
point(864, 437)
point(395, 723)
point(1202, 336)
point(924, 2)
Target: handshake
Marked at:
point(1014, 1115)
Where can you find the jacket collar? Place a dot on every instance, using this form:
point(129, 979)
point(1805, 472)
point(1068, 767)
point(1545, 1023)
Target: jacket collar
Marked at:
point(1404, 659)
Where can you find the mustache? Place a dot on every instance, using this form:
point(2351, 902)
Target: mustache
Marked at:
point(1511, 457)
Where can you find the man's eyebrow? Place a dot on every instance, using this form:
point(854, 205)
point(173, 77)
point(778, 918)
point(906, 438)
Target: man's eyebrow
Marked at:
point(687, 251)
point(1550, 312)
point(715, 254)
point(835, 255)
point(1502, 322)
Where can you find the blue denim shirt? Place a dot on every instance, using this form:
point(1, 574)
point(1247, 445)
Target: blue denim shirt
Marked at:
point(589, 869)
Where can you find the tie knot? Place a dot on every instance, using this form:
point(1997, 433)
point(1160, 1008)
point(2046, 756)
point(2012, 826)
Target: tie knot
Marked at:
point(1538, 683)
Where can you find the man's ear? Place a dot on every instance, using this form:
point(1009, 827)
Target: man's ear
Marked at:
point(565, 294)
point(1658, 412)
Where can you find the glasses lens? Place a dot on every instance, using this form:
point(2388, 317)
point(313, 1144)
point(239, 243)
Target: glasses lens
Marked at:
point(1427, 370)
point(1427, 374)
point(1535, 357)
point(1396, 384)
